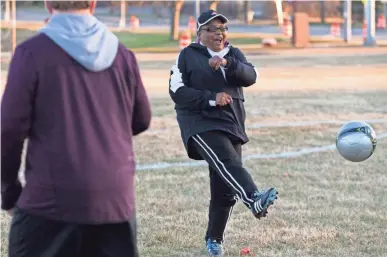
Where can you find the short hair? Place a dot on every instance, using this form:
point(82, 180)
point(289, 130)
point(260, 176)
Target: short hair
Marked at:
point(70, 5)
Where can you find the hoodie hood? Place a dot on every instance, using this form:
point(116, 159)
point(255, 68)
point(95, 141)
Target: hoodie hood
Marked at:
point(84, 38)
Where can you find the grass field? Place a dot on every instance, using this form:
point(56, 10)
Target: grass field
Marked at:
point(130, 40)
point(327, 206)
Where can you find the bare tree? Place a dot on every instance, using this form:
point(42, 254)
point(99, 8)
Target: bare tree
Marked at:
point(158, 8)
point(176, 8)
point(214, 5)
point(322, 11)
point(111, 7)
point(246, 9)
point(124, 10)
point(6, 10)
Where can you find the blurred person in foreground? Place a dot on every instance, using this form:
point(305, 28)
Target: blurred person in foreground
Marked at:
point(206, 85)
point(75, 92)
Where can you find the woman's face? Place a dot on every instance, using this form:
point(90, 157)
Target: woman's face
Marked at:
point(213, 35)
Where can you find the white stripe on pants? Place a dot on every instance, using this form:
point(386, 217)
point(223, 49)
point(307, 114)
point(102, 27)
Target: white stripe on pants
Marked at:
point(229, 179)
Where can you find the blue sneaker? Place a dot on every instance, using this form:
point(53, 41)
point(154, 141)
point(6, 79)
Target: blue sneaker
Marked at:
point(214, 248)
point(262, 201)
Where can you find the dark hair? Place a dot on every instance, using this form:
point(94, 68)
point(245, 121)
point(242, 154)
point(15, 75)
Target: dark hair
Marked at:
point(70, 5)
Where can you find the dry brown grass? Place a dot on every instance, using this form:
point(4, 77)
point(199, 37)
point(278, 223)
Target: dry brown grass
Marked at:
point(327, 206)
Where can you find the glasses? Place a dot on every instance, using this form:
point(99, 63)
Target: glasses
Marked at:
point(215, 29)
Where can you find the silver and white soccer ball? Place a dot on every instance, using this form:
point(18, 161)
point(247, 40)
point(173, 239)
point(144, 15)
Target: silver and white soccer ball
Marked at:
point(356, 141)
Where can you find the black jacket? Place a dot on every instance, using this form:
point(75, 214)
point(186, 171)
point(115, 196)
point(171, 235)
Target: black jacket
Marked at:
point(193, 86)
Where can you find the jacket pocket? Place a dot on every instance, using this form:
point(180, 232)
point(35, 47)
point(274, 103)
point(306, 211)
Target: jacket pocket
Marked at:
point(219, 114)
point(235, 92)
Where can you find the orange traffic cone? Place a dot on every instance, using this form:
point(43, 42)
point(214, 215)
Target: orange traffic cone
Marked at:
point(364, 31)
point(335, 29)
point(381, 24)
point(185, 39)
point(192, 24)
point(134, 22)
point(287, 28)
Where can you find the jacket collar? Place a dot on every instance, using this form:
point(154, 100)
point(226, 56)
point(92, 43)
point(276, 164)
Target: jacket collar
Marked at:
point(203, 49)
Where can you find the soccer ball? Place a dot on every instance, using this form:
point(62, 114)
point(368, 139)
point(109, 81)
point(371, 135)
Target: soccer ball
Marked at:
point(356, 141)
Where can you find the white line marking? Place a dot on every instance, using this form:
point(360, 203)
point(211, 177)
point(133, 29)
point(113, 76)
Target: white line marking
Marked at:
point(304, 151)
point(307, 123)
point(284, 124)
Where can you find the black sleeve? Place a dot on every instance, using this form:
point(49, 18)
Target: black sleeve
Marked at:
point(239, 71)
point(184, 95)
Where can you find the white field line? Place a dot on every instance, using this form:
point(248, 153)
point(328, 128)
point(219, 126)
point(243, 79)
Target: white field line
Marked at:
point(286, 124)
point(304, 151)
point(308, 123)
point(301, 152)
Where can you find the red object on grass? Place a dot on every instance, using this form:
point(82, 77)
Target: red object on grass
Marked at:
point(246, 252)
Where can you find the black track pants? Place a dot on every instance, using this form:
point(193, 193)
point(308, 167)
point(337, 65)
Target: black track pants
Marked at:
point(228, 178)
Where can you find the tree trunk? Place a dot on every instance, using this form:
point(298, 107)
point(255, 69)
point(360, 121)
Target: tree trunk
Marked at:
point(246, 9)
point(240, 10)
point(122, 23)
point(385, 11)
point(13, 18)
point(214, 5)
point(111, 7)
point(176, 19)
point(322, 11)
point(7, 11)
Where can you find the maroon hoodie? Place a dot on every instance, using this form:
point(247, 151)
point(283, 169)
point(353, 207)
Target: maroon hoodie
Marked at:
point(79, 125)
